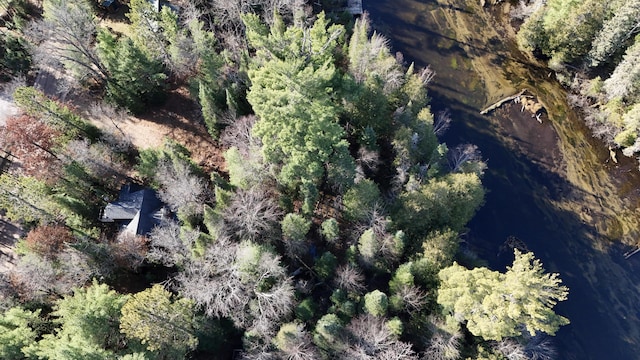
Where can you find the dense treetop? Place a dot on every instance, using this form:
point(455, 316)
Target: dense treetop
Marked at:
point(330, 231)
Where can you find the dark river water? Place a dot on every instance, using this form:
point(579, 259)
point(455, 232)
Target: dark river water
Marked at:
point(526, 182)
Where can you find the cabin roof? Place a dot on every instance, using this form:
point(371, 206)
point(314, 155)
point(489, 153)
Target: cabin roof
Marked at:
point(139, 209)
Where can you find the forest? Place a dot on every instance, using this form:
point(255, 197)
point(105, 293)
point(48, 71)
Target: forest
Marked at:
point(332, 227)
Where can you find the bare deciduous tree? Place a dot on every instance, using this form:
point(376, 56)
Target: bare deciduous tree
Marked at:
point(445, 341)
point(368, 337)
point(370, 58)
point(252, 214)
point(511, 349)
point(350, 278)
point(66, 35)
point(183, 190)
point(465, 155)
point(413, 298)
point(171, 246)
point(238, 134)
point(98, 160)
point(38, 277)
point(442, 122)
point(526, 8)
point(129, 250)
point(540, 347)
point(367, 160)
point(32, 142)
point(244, 283)
point(48, 240)
point(34, 277)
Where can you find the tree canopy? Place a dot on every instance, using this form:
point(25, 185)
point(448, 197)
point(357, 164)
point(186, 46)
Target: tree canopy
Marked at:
point(495, 305)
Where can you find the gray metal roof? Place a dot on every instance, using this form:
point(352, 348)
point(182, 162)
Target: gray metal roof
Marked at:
point(139, 208)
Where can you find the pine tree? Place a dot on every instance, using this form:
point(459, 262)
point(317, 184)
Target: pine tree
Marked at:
point(135, 81)
point(496, 305)
point(17, 330)
point(615, 32)
point(292, 79)
point(164, 325)
point(89, 326)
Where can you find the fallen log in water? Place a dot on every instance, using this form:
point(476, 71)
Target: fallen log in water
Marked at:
point(629, 254)
point(501, 102)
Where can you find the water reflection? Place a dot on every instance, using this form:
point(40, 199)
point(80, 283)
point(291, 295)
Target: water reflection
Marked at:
point(537, 191)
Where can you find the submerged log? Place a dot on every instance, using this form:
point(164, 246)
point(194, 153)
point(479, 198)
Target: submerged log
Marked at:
point(501, 102)
point(629, 254)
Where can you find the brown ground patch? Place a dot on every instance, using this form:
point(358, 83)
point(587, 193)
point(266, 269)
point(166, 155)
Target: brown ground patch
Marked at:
point(178, 119)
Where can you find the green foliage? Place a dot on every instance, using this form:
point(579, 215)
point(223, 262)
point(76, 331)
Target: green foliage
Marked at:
point(291, 93)
point(93, 312)
point(17, 330)
point(135, 80)
point(209, 79)
point(615, 32)
point(306, 310)
point(343, 305)
point(330, 229)
point(159, 322)
point(72, 200)
point(14, 58)
point(325, 266)
point(376, 303)
point(360, 200)
point(89, 326)
point(401, 278)
point(161, 37)
point(395, 326)
point(439, 247)
point(327, 331)
point(447, 202)
point(243, 172)
point(59, 116)
point(290, 339)
point(171, 152)
point(624, 82)
point(564, 29)
point(67, 346)
point(416, 144)
point(295, 227)
point(26, 198)
point(379, 250)
point(496, 305)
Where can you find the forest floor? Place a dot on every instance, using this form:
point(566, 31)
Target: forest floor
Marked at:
point(176, 119)
point(9, 234)
point(7, 109)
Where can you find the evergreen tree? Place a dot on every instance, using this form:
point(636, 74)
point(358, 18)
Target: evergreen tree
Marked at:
point(615, 32)
point(89, 326)
point(17, 330)
point(496, 305)
point(624, 82)
point(135, 80)
point(292, 80)
point(444, 202)
point(165, 326)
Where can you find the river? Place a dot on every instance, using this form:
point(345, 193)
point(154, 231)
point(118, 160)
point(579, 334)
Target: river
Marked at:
point(550, 185)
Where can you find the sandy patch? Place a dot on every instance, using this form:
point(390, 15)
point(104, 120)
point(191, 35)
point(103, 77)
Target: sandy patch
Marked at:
point(177, 119)
point(7, 110)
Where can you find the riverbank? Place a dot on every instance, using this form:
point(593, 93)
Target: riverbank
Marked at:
point(550, 185)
